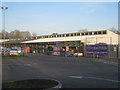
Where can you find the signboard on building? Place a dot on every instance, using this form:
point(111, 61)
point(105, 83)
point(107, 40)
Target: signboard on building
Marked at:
point(67, 48)
point(100, 50)
point(58, 43)
point(51, 43)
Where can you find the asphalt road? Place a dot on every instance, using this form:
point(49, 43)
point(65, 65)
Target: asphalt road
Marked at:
point(72, 72)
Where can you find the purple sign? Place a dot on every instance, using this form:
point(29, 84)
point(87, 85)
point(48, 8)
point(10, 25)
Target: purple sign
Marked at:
point(58, 43)
point(100, 50)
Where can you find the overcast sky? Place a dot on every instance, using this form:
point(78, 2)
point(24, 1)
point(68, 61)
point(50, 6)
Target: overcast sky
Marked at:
point(60, 17)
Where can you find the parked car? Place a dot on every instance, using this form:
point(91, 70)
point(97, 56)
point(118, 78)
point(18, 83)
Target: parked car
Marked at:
point(75, 54)
point(13, 51)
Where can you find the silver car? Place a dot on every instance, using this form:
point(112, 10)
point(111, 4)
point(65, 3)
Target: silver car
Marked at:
point(13, 52)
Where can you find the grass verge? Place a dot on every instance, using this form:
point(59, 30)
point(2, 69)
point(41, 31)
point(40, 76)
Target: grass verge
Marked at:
point(33, 83)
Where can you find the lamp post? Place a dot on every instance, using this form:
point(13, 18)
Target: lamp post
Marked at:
point(4, 9)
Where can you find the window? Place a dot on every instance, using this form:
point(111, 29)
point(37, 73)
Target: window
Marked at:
point(90, 33)
point(82, 33)
point(71, 34)
point(95, 33)
point(63, 35)
point(58, 35)
point(75, 34)
point(104, 32)
point(86, 33)
point(99, 32)
point(67, 35)
point(40, 37)
point(78, 34)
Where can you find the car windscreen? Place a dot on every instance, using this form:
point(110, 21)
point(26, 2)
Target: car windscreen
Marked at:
point(13, 49)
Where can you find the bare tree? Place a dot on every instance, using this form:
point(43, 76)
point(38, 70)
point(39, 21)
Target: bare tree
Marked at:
point(54, 33)
point(28, 34)
point(25, 34)
point(113, 29)
point(17, 34)
point(34, 34)
point(12, 35)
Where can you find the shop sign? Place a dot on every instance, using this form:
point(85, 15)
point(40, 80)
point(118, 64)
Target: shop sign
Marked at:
point(67, 48)
point(58, 43)
point(51, 43)
point(100, 50)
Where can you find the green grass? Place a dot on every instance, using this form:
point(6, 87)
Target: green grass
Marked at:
point(33, 83)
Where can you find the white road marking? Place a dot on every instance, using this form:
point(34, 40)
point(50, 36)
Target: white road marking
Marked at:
point(104, 62)
point(95, 78)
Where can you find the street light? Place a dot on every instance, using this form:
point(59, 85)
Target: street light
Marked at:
point(4, 9)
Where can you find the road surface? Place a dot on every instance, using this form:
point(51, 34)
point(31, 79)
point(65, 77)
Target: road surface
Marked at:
point(72, 72)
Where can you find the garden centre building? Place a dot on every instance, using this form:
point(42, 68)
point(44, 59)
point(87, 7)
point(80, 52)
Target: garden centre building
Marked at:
point(79, 42)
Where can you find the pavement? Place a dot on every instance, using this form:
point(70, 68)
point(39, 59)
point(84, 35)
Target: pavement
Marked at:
point(72, 72)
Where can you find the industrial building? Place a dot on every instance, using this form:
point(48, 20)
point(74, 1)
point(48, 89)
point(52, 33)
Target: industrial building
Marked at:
point(103, 43)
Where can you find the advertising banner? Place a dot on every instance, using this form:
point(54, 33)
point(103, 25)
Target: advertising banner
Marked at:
point(58, 43)
point(67, 48)
point(100, 50)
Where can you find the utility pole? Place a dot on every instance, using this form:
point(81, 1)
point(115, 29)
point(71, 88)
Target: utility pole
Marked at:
point(4, 9)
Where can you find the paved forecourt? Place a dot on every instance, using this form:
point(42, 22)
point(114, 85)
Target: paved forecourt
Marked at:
point(71, 71)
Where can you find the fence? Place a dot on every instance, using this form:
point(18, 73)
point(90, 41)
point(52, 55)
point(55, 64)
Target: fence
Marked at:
point(95, 48)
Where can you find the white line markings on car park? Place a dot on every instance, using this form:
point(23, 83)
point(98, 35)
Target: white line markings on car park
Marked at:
point(27, 64)
point(81, 77)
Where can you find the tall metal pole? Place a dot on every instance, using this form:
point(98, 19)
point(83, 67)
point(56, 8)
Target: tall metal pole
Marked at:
point(110, 47)
point(4, 8)
point(4, 28)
